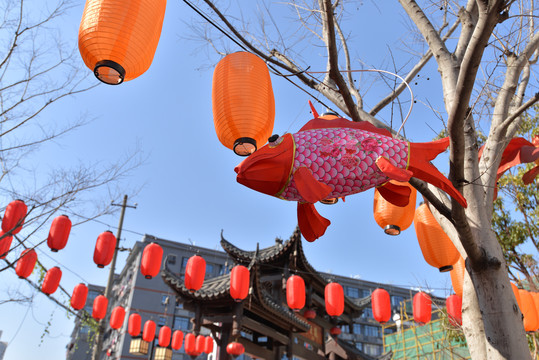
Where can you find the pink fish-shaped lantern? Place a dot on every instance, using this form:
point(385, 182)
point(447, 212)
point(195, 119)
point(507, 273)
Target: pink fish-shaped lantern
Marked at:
point(331, 158)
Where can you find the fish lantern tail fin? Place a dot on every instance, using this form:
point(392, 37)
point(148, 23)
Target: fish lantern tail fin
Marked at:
point(419, 163)
point(311, 224)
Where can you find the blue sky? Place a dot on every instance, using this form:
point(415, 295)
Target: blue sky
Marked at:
point(188, 187)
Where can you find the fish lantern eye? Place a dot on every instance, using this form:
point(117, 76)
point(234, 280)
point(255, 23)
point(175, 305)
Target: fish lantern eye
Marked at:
point(244, 146)
point(273, 138)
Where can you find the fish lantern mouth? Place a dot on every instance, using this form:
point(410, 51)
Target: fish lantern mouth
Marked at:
point(244, 146)
point(109, 72)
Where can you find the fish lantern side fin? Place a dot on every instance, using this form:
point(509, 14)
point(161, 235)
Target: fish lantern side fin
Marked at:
point(311, 224)
point(308, 187)
point(398, 195)
point(391, 171)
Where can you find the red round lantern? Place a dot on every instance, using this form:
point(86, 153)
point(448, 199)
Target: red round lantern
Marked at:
point(26, 263)
point(195, 272)
point(208, 347)
point(200, 344)
point(79, 296)
point(148, 334)
point(235, 348)
point(381, 305)
point(392, 218)
point(334, 298)
point(164, 336)
point(5, 244)
point(438, 250)
point(59, 233)
point(239, 282)
point(104, 249)
point(243, 102)
point(189, 344)
point(99, 309)
point(422, 308)
point(133, 327)
point(531, 322)
point(335, 331)
point(51, 280)
point(177, 339)
point(454, 309)
point(151, 260)
point(14, 217)
point(309, 314)
point(295, 292)
point(117, 317)
point(457, 276)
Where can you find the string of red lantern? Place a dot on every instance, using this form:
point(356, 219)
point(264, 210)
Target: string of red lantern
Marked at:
point(51, 281)
point(195, 271)
point(79, 296)
point(235, 348)
point(99, 309)
point(5, 244)
point(208, 347)
point(309, 314)
point(134, 324)
point(189, 344)
point(200, 344)
point(454, 309)
point(422, 308)
point(26, 263)
point(295, 292)
point(151, 260)
point(104, 249)
point(177, 339)
point(239, 282)
point(148, 333)
point(117, 317)
point(335, 331)
point(164, 336)
point(381, 305)
point(14, 216)
point(59, 233)
point(334, 299)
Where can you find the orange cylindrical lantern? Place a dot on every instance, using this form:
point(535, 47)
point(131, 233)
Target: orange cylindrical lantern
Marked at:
point(26, 263)
point(195, 271)
point(134, 324)
point(14, 217)
point(535, 297)
point(164, 336)
point(437, 248)
point(392, 218)
point(118, 39)
point(59, 233)
point(177, 339)
point(99, 309)
point(239, 282)
point(454, 309)
point(381, 305)
point(200, 344)
point(531, 322)
point(457, 276)
point(189, 344)
point(235, 348)
point(104, 249)
point(422, 308)
point(208, 347)
point(148, 333)
point(117, 317)
point(295, 292)
point(51, 280)
point(79, 296)
point(151, 260)
point(243, 103)
point(5, 244)
point(517, 295)
point(334, 298)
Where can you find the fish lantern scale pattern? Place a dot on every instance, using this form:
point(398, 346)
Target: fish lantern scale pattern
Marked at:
point(26, 263)
point(118, 39)
point(381, 305)
point(392, 218)
point(148, 333)
point(422, 308)
point(195, 271)
point(436, 247)
point(51, 280)
point(243, 102)
point(59, 233)
point(334, 299)
point(104, 249)
point(134, 324)
point(239, 282)
point(164, 336)
point(177, 339)
point(79, 296)
point(99, 309)
point(5, 244)
point(117, 317)
point(14, 217)
point(454, 309)
point(295, 292)
point(457, 276)
point(531, 322)
point(151, 260)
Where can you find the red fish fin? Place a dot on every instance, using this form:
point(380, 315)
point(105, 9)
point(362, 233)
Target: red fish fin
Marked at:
point(419, 159)
point(315, 113)
point(529, 176)
point(395, 194)
point(308, 187)
point(311, 224)
point(518, 151)
point(343, 123)
point(391, 171)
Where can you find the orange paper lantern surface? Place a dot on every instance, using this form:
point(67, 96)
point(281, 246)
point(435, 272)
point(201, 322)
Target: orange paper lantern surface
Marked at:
point(79, 296)
point(14, 215)
point(104, 249)
point(334, 299)
point(394, 219)
point(151, 260)
point(99, 309)
point(117, 317)
point(118, 39)
point(295, 292)
point(164, 336)
point(134, 324)
point(59, 233)
point(195, 271)
point(422, 308)
point(239, 282)
point(51, 280)
point(531, 322)
point(457, 276)
point(381, 305)
point(26, 263)
point(243, 102)
point(437, 248)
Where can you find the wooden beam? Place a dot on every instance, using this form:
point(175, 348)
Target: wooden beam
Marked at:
point(301, 351)
point(255, 350)
point(266, 330)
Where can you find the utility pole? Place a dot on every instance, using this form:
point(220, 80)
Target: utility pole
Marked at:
point(98, 346)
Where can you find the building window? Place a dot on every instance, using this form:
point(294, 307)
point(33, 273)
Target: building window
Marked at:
point(209, 270)
point(357, 329)
point(352, 292)
point(367, 314)
point(371, 349)
point(184, 262)
point(372, 330)
point(182, 323)
point(396, 301)
point(366, 292)
point(359, 346)
point(162, 321)
point(171, 259)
